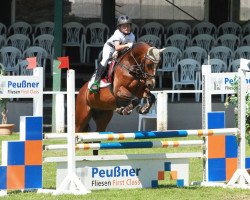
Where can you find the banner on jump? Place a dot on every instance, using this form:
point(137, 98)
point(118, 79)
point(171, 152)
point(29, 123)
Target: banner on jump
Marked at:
point(20, 87)
point(222, 83)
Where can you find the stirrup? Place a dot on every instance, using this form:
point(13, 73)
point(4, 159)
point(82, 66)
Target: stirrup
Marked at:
point(95, 87)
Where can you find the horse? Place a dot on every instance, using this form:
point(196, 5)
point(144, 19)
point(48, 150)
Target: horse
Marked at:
point(132, 78)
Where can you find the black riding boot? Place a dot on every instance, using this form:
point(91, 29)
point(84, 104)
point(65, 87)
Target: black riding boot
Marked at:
point(95, 87)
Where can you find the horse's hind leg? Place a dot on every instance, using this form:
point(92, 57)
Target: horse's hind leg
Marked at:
point(102, 119)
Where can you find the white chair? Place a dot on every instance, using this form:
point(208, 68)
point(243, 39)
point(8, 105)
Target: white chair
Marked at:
point(179, 28)
point(245, 41)
point(242, 52)
point(234, 65)
point(2, 41)
point(3, 29)
point(229, 40)
point(96, 35)
point(229, 28)
point(135, 30)
point(22, 65)
point(170, 57)
point(196, 53)
point(38, 52)
point(217, 66)
point(20, 28)
point(152, 114)
point(204, 41)
point(46, 27)
point(205, 28)
point(153, 40)
point(9, 57)
point(19, 41)
point(152, 28)
point(189, 73)
point(46, 42)
point(74, 36)
point(223, 53)
point(178, 40)
point(246, 29)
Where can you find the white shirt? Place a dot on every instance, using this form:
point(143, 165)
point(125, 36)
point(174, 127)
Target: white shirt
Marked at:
point(121, 37)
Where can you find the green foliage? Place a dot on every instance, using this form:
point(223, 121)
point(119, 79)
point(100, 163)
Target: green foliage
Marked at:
point(233, 100)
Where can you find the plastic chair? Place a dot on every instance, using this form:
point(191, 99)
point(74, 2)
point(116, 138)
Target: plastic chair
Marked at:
point(196, 53)
point(3, 29)
point(151, 39)
point(20, 28)
point(230, 28)
point(74, 37)
point(170, 57)
point(152, 114)
point(44, 28)
point(96, 35)
point(242, 52)
point(178, 40)
point(135, 30)
point(189, 74)
point(19, 41)
point(246, 29)
point(46, 42)
point(205, 28)
point(223, 53)
point(22, 65)
point(2, 41)
point(9, 57)
point(245, 41)
point(217, 66)
point(152, 28)
point(179, 28)
point(228, 40)
point(234, 65)
point(204, 41)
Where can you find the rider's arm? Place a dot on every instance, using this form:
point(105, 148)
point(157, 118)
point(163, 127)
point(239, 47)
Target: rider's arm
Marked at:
point(120, 47)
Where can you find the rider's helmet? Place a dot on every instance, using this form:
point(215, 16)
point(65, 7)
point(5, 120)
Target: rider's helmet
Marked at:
point(123, 19)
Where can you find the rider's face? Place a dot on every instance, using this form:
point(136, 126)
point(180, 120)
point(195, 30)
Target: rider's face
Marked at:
point(125, 28)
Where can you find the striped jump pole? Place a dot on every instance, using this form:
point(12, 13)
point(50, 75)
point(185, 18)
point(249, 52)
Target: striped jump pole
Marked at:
point(128, 145)
point(97, 136)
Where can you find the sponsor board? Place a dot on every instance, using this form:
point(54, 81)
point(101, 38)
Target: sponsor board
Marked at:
point(20, 87)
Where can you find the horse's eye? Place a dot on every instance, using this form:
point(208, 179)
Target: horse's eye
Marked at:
point(150, 65)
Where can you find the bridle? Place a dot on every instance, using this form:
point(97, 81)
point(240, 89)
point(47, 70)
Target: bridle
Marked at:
point(138, 70)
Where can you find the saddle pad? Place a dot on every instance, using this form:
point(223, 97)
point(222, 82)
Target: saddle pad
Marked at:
point(103, 82)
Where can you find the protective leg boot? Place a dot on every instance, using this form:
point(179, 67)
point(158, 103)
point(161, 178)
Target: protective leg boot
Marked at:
point(95, 87)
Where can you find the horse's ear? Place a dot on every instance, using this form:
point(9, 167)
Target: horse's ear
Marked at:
point(161, 50)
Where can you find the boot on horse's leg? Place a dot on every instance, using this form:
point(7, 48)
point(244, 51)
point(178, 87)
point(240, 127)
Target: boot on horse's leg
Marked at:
point(95, 87)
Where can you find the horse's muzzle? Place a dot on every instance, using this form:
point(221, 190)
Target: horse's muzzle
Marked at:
point(150, 83)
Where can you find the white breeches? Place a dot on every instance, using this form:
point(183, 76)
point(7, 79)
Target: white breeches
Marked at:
point(106, 54)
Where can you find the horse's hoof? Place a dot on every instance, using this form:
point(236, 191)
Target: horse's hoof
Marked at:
point(126, 112)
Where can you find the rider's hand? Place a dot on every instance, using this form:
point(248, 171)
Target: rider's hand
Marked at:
point(130, 44)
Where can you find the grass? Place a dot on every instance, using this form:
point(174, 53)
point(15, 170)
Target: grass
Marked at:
point(166, 190)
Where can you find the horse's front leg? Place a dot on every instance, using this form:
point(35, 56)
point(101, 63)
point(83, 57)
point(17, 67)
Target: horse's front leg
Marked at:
point(126, 101)
point(148, 100)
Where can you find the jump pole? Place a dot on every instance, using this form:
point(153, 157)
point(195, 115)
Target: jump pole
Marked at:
point(71, 184)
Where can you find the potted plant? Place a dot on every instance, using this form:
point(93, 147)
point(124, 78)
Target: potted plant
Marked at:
point(5, 128)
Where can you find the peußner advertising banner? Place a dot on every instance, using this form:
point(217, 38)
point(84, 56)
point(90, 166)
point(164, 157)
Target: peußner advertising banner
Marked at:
point(20, 87)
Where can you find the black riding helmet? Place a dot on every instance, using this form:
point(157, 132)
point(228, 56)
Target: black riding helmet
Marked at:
point(123, 19)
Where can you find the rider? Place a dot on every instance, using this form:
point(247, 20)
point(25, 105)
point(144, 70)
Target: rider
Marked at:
point(121, 39)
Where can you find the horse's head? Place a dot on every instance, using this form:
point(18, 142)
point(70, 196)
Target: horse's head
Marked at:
point(150, 65)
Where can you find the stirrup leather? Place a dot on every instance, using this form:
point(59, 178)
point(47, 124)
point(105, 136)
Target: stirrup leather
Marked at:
point(95, 87)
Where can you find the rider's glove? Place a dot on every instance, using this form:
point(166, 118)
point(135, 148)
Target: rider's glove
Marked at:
point(130, 44)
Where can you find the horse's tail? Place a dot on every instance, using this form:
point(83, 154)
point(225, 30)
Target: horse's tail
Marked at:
point(82, 110)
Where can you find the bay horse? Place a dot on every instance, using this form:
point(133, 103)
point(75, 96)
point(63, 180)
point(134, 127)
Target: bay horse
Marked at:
point(133, 77)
